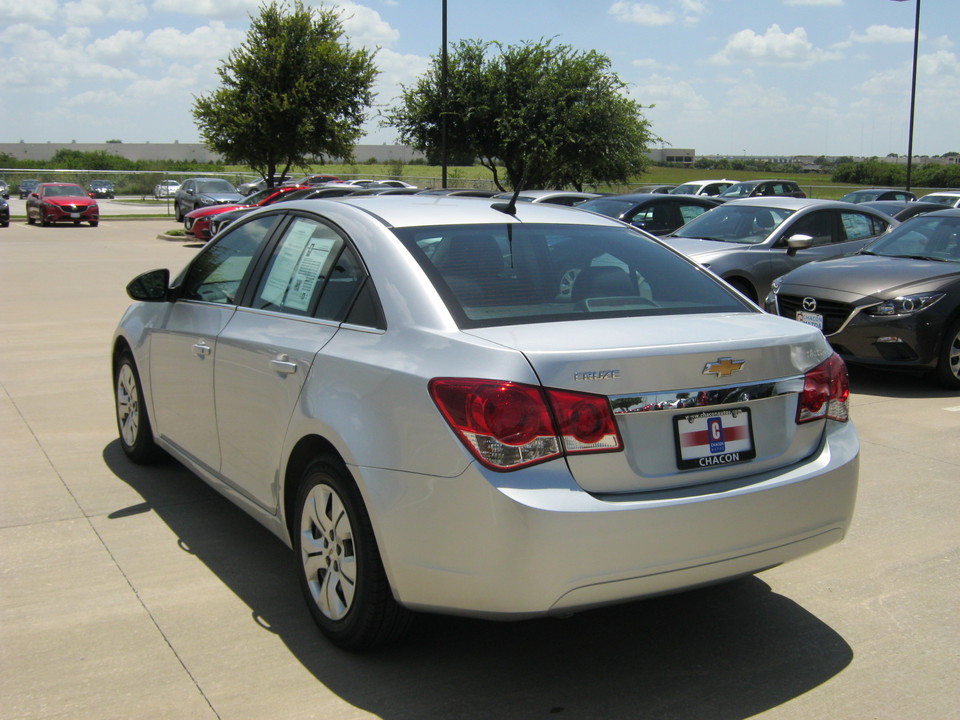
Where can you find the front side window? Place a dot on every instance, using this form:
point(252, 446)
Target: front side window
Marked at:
point(217, 272)
point(524, 273)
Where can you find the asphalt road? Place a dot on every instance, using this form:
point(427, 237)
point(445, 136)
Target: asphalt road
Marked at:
point(139, 593)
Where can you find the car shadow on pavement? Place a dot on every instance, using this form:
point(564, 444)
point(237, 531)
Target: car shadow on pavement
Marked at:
point(895, 383)
point(729, 651)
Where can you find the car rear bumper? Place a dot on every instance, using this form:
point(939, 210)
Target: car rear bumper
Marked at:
point(531, 543)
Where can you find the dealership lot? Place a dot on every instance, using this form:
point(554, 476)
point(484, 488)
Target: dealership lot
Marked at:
point(138, 592)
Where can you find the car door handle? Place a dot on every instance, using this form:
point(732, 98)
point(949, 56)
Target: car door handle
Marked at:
point(283, 365)
point(202, 349)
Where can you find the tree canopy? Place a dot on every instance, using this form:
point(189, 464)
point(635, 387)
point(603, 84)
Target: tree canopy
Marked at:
point(293, 92)
point(552, 116)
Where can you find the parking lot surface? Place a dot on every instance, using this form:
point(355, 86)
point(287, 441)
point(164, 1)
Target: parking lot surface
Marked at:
point(132, 592)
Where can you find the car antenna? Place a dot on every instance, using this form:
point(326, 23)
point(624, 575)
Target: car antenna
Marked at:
point(510, 208)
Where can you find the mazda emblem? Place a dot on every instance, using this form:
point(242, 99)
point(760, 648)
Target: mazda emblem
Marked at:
point(809, 304)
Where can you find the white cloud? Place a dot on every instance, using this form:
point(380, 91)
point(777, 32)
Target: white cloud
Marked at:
point(814, 2)
point(208, 43)
point(667, 93)
point(227, 9)
point(879, 35)
point(364, 27)
point(35, 11)
point(84, 12)
point(641, 14)
point(774, 47)
point(653, 64)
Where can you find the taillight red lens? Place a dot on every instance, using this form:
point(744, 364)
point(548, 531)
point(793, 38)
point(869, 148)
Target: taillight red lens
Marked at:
point(826, 392)
point(511, 425)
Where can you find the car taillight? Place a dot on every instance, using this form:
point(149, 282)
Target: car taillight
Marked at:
point(826, 392)
point(511, 425)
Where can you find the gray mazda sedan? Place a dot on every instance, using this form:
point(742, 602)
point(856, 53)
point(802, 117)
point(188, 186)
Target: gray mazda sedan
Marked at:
point(750, 242)
point(400, 390)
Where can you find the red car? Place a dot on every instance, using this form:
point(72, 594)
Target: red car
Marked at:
point(197, 222)
point(61, 202)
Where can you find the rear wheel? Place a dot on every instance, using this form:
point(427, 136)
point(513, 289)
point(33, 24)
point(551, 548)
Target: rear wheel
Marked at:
point(948, 364)
point(133, 424)
point(341, 573)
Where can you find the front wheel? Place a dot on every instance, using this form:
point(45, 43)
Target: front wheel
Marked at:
point(133, 424)
point(341, 573)
point(94, 223)
point(948, 363)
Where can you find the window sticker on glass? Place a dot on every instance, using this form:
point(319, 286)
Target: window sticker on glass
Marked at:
point(298, 267)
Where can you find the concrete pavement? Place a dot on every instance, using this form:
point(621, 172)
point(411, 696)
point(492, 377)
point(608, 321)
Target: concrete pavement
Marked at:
point(130, 592)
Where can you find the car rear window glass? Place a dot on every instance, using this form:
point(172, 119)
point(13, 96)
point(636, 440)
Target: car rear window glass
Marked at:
point(523, 273)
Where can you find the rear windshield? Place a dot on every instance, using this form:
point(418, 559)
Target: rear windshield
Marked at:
point(527, 273)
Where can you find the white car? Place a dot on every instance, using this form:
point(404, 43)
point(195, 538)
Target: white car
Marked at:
point(396, 387)
point(948, 198)
point(702, 187)
point(165, 189)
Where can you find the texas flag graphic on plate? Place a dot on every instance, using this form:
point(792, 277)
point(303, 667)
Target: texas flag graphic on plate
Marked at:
point(714, 438)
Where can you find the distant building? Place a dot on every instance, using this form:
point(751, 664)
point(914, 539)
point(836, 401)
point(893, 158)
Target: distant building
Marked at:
point(678, 156)
point(182, 151)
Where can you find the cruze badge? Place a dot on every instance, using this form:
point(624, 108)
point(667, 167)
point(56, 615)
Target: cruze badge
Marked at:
point(809, 304)
point(723, 367)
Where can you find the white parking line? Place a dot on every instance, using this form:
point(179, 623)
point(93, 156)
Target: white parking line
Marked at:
point(956, 408)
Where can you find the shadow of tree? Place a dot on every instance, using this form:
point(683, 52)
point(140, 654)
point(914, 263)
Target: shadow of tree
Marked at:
point(729, 651)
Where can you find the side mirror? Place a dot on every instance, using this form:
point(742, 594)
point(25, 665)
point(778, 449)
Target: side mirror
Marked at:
point(152, 286)
point(798, 242)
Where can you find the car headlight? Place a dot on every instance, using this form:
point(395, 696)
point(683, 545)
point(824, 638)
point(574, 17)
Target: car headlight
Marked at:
point(204, 200)
point(775, 285)
point(905, 305)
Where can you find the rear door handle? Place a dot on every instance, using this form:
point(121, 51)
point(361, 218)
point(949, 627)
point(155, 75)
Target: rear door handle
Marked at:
point(283, 365)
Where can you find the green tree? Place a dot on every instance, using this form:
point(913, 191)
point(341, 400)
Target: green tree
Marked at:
point(292, 93)
point(551, 116)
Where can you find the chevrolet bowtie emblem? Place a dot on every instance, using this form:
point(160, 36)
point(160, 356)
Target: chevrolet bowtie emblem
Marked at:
point(723, 367)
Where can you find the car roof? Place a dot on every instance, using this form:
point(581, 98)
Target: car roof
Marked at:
point(660, 197)
point(943, 193)
point(549, 193)
point(789, 203)
point(417, 210)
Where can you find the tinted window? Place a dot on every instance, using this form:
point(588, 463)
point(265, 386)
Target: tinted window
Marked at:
point(934, 237)
point(511, 274)
point(216, 273)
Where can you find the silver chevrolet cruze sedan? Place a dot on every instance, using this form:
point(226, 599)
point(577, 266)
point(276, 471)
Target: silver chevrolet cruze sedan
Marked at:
point(400, 388)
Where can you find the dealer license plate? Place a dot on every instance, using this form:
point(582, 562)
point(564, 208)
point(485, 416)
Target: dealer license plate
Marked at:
point(75, 215)
point(809, 318)
point(719, 437)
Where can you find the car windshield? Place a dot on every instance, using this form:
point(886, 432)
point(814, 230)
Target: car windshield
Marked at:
point(63, 191)
point(940, 199)
point(513, 273)
point(689, 189)
point(749, 225)
point(925, 237)
point(215, 186)
point(738, 190)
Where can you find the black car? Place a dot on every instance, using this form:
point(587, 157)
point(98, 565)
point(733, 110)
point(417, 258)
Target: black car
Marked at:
point(4, 212)
point(101, 189)
point(658, 214)
point(872, 194)
point(762, 188)
point(203, 192)
point(894, 304)
point(26, 187)
point(902, 210)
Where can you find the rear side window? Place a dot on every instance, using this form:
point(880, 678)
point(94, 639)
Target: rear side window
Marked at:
point(857, 226)
point(524, 273)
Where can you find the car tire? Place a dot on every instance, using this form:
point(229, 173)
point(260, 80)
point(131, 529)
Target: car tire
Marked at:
point(176, 210)
point(94, 223)
point(30, 220)
point(948, 361)
point(133, 423)
point(341, 573)
point(43, 220)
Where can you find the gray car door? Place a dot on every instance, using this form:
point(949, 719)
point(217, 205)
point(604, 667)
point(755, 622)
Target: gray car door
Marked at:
point(183, 346)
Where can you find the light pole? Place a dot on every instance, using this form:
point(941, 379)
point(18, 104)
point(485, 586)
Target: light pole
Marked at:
point(913, 90)
point(443, 101)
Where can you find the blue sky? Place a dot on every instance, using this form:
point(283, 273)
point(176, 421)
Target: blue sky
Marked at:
point(753, 77)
